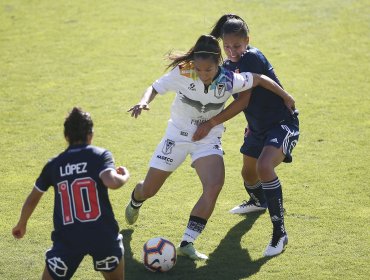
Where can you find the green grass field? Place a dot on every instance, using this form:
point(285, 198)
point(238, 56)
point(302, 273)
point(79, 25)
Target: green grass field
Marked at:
point(101, 55)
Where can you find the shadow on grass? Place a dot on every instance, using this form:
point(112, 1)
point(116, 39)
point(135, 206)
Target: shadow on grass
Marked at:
point(229, 261)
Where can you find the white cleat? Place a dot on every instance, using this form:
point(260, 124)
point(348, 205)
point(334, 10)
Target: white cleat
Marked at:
point(248, 207)
point(276, 245)
point(190, 252)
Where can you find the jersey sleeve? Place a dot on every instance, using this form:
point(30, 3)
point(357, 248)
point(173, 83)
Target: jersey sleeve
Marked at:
point(107, 162)
point(167, 82)
point(44, 181)
point(242, 81)
point(263, 66)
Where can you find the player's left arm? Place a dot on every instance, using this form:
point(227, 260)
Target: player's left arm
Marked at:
point(28, 207)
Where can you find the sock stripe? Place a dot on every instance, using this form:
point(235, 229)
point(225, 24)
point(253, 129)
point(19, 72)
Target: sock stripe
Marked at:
point(274, 184)
point(252, 187)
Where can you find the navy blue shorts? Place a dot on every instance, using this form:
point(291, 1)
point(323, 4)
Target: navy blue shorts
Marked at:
point(282, 135)
point(62, 261)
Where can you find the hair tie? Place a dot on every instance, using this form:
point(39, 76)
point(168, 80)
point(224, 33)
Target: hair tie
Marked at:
point(206, 52)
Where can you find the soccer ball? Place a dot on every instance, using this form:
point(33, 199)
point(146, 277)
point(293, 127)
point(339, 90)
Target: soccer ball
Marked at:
point(159, 254)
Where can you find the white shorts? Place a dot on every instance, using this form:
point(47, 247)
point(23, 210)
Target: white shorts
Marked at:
point(177, 144)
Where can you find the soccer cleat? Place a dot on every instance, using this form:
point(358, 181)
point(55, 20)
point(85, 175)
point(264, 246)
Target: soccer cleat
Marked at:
point(248, 207)
point(276, 245)
point(131, 214)
point(189, 251)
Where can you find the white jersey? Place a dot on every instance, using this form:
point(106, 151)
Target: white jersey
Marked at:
point(195, 103)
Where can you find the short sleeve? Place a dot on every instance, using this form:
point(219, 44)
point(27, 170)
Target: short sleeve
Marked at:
point(167, 82)
point(242, 82)
point(44, 181)
point(107, 162)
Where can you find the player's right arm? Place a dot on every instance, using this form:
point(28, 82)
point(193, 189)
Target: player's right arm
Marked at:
point(28, 207)
point(166, 83)
point(148, 97)
point(115, 179)
point(271, 85)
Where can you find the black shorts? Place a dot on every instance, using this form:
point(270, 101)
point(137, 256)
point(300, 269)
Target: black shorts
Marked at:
point(282, 135)
point(62, 261)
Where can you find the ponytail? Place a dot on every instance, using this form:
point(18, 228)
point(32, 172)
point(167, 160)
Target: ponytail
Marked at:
point(206, 47)
point(230, 24)
point(178, 58)
point(217, 28)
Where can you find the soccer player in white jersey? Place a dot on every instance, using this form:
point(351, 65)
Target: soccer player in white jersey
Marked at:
point(202, 87)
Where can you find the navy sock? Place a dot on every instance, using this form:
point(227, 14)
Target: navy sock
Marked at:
point(274, 197)
point(256, 193)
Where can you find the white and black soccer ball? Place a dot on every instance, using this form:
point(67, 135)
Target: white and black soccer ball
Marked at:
point(159, 254)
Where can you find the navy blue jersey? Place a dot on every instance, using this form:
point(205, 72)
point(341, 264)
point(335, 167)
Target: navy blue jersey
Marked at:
point(82, 210)
point(265, 108)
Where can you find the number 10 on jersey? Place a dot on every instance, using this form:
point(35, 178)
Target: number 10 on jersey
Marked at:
point(79, 201)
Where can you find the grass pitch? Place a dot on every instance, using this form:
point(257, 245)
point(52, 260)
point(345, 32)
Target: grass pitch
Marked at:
point(101, 55)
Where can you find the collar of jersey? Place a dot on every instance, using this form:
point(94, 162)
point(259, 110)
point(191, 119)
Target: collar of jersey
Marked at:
point(77, 146)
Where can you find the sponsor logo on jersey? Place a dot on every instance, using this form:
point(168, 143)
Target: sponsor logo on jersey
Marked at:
point(197, 122)
point(274, 140)
point(184, 133)
point(220, 90)
point(191, 87)
point(167, 147)
point(166, 159)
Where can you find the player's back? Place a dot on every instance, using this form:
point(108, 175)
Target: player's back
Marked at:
point(82, 211)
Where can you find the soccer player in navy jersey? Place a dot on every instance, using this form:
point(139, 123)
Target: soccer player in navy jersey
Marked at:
point(271, 135)
point(202, 87)
point(84, 222)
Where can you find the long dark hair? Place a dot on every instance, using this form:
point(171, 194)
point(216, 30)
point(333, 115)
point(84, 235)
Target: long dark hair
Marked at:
point(206, 47)
point(77, 126)
point(230, 24)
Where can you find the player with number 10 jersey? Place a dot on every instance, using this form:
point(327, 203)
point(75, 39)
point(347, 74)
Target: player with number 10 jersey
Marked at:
point(82, 211)
point(84, 222)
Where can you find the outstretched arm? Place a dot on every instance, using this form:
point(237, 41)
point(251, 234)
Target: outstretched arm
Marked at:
point(28, 207)
point(148, 96)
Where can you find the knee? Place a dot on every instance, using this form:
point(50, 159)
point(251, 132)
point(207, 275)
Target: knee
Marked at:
point(249, 176)
point(213, 190)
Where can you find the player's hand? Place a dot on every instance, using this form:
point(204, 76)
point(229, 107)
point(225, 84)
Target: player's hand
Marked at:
point(290, 103)
point(202, 131)
point(123, 171)
point(136, 110)
point(19, 231)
